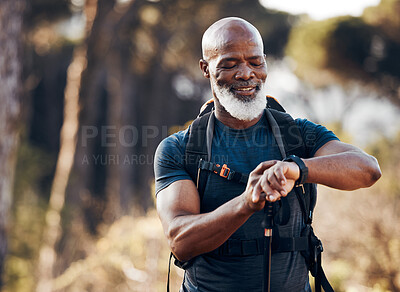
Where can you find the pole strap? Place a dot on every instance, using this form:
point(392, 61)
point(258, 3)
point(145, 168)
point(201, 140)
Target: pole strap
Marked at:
point(320, 279)
point(169, 271)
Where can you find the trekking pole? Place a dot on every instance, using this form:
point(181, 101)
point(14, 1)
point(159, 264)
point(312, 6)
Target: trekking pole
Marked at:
point(267, 224)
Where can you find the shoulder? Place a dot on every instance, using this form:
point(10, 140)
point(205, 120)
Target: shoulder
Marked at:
point(308, 126)
point(314, 135)
point(169, 160)
point(175, 143)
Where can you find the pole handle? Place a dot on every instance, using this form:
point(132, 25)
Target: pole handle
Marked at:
point(268, 222)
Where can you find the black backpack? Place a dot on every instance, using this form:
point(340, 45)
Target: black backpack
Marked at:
point(290, 142)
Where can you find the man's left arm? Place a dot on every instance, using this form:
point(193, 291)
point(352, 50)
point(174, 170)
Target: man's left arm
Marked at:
point(342, 166)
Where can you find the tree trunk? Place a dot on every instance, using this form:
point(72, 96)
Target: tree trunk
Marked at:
point(65, 160)
point(11, 12)
point(69, 130)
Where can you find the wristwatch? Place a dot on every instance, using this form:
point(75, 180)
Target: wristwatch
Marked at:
point(303, 169)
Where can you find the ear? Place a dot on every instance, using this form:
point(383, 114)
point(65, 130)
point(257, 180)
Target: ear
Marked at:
point(204, 68)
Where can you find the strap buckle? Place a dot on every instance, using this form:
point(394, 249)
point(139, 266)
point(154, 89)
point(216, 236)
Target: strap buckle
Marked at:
point(224, 172)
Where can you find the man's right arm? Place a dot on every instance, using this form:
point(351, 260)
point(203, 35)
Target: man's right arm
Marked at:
point(191, 233)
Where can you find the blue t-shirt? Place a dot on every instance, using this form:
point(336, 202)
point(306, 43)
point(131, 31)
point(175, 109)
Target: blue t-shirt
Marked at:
point(242, 151)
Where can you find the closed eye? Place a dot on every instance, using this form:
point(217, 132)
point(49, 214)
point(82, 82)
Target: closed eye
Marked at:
point(228, 67)
point(257, 63)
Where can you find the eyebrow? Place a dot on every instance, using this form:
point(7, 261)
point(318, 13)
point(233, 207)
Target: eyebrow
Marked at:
point(229, 59)
point(255, 57)
point(232, 59)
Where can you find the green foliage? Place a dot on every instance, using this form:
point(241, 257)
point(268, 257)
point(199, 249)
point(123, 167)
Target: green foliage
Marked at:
point(333, 46)
point(349, 46)
point(387, 151)
point(34, 169)
point(131, 255)
point(359, 229)
point(351, 49)
point(386, 17)
point(33, 174)
point(306, 45)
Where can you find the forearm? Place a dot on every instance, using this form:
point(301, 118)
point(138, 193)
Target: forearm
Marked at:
point(194, 234)
point(347, 170)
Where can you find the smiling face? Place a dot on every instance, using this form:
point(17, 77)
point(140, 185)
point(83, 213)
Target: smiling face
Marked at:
point(235, 64)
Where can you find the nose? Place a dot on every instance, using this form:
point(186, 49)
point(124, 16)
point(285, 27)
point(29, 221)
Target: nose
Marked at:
point(244, 73)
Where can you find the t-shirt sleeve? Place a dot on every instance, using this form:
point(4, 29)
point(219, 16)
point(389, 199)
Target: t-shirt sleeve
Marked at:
point(314, 136)
point(169, 161)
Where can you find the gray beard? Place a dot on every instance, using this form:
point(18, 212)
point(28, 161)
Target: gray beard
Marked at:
point(244, 110)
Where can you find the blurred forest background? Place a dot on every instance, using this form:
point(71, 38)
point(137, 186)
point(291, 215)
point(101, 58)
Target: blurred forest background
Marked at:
point(89, 89)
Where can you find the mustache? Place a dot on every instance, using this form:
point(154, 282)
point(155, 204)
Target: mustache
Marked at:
point(248, 83)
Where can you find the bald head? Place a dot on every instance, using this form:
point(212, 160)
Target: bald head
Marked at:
point(227, 31)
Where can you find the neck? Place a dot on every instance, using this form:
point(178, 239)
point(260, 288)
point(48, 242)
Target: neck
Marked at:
point(224, 117)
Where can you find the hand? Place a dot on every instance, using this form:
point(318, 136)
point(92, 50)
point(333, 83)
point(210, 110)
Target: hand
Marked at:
point(270, 181)
point(279, 179)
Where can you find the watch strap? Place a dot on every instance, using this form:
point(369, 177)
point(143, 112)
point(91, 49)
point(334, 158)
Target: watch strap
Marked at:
point(302, 167)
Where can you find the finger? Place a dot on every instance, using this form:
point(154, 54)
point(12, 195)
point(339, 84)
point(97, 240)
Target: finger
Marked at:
point(263, 166)
point(279, 173)
point(257, 194)
point(266, 188)
point(275, 184)
point(273, 198)
point(272, 181)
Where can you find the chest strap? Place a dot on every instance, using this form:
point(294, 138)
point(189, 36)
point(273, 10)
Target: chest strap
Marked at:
point(238, 247)
point(223, 171)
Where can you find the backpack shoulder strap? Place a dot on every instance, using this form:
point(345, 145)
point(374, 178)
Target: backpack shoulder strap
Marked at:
point(199, 147)
point(288, 134)
point(272, 103)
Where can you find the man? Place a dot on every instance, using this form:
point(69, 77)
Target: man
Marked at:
point(234, 61)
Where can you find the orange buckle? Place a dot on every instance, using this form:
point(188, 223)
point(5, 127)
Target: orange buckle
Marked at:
point(224, 171)
point(217, 165)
